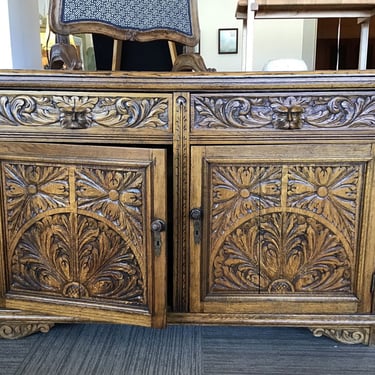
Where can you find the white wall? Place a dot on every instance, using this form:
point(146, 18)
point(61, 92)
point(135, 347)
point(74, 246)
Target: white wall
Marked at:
point(309, 42)
point(273, 39)
point(19, 30)
point(276, 39)
point(24, 23)
point(6, 61)
point(214, 15)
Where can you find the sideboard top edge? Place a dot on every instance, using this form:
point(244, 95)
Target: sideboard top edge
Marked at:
point(185, 81)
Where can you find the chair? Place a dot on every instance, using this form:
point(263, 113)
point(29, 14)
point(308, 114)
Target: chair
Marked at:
point(133, 20)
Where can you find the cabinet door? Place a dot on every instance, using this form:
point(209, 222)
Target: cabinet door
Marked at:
point(282, 228)
point(76, 236)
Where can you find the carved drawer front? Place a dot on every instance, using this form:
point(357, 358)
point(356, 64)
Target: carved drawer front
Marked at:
point(77, 236)
point(96, 113)
point(281, 227)
point(259, 112)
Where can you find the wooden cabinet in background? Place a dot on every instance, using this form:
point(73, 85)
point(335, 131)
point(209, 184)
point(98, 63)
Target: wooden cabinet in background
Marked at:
point(190, 198)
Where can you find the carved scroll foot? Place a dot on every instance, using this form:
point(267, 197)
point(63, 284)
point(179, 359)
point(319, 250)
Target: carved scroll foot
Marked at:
point(344, 335)
point(16, 330)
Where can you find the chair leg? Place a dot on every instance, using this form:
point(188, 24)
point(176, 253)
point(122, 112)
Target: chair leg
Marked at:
point(116, 57)
point(172, 51)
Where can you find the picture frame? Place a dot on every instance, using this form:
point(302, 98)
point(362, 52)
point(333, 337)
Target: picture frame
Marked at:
point(228, 41)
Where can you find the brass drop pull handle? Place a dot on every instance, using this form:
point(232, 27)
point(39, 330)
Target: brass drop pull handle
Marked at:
point(196, 216)
point(157, 226)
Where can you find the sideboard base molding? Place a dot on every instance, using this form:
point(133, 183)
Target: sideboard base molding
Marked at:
point(347, 329)
point(15, 324)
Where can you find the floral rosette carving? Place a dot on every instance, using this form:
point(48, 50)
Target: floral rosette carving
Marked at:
point(81, 112)
point(287, 112)
point(32, 190)
point(330, 192)
point(116, 196)
point(239, 191)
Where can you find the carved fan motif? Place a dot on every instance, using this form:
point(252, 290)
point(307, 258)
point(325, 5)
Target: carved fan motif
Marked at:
point(287, 253)
point(100, 264)
point(283, 229)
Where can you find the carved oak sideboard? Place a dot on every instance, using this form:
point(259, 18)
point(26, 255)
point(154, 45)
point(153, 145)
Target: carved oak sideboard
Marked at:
point(186, 198)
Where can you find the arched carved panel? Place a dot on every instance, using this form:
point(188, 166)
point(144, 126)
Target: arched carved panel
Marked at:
point(76, 232)
point(288, 228)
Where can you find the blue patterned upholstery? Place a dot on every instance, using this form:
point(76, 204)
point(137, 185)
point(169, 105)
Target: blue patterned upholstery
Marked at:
point(139, 15)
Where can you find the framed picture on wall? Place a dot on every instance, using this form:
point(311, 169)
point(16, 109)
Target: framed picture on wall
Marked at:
point(228, 41)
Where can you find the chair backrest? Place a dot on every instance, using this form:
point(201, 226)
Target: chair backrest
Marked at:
point(140, 20)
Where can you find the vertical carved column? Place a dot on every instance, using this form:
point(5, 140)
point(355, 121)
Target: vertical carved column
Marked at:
point(181, 154)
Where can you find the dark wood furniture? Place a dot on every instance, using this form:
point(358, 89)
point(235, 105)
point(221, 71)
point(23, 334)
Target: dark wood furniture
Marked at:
point(175, 198)
point(141, 20)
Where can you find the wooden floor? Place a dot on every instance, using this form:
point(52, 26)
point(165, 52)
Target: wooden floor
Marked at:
point(113, 349)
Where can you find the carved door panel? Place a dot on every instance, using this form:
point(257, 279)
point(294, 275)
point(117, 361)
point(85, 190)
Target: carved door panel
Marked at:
point(77, 235)
point(281, 228)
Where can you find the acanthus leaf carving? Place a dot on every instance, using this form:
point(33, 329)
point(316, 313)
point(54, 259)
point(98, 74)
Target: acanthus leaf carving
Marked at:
point(282, 253)
point(43, 258)
point(27, 110)
point(142, 113)
point(219, 113)
point(81, 112)
point(87, 246)
point(289, 112)
point(101, 265)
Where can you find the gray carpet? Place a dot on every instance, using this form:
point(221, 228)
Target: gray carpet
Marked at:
point(114, 350)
